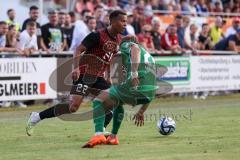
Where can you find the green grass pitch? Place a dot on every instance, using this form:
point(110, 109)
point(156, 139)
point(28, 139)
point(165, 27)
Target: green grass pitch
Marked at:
point(206, 130)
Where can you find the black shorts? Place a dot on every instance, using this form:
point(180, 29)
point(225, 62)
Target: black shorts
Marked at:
point(86, 85)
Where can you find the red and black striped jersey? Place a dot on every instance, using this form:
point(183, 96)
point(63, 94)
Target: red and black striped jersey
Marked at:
point(101, 47)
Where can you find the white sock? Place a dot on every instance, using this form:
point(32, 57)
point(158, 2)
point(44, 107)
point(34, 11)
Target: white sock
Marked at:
point(36, 118)
point(98, 133)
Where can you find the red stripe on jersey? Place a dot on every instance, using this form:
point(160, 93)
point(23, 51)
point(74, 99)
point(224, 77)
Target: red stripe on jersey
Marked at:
point(97, 59)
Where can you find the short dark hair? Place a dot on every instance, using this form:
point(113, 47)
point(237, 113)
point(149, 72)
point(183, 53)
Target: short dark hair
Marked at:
point(172, 25)
point(52, 11)
point(90, 18)
point(10, 27)
point(115, 14)
point(9, 10)
point(178, 17)
point(72, 14)
point(3, 23)
point(62, 12)
point(204, 24)
point(33, 8)
point(98, 6)
point(31, 23)
point(192, 25)
point(84, 11)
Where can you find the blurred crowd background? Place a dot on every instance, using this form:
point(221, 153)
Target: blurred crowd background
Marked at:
point(66, 29)
point(161, 26)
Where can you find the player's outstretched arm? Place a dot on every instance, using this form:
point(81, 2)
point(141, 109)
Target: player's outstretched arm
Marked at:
point(139, 116)
point(76, 59)
point(135, 60)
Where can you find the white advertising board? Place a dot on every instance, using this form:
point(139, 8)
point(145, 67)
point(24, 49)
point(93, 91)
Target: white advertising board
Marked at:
point(26, 78)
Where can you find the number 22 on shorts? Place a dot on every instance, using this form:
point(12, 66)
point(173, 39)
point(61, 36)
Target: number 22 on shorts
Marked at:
point(82, 88)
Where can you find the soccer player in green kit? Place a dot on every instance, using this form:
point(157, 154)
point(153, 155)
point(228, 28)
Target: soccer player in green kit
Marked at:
point(139, 87)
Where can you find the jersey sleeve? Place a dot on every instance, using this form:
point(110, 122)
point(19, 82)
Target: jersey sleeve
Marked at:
point(91, 40)
point(125, 48)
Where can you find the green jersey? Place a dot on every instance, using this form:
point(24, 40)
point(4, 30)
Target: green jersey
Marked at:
point(146, 64)
point(145, 91)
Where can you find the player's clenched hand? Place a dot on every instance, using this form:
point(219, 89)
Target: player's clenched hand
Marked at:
point(75, 74)
point(135, 82)
point(109, 81)
point(139, 119)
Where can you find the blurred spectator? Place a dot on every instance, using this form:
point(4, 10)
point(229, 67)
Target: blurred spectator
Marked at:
point(217, 6)
point(156, 35)
point(231, 43)
point(73, 17)
point(202, 8)
point(129, 28)
point(11, 19)
point(145, 38)
point(155, 4)
point(3, 32)
point(161, 5)
point(235, 26)
point(123, 3)
point(106, 20)
point(169, 40)
point(80, 30)
point(61, 18)
point(99, 16)
point(236, 9)
point(12, 36)
point(170, 9)
point(204, 39)
point(130, 5)
point(68, 28)
point(3, 39)
point(167, 3)
point(52, 36)
point(186, 22)
point(216, 31)
point(140, 7)
point(227, 11)
point(180, 30)
point(28, 39)
point(34, 14)
point(191, 40)
point(148, 11)
point(113, 5)
point(102, 3)
point(136, 21)
point(92, 24)
point(82, 5)
point(177, 8)
point(190, 7)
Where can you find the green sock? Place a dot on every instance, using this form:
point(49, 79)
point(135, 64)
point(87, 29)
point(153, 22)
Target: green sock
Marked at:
point(98, 115)
point(118, 114)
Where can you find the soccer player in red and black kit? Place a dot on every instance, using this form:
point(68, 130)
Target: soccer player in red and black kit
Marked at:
point(91, 60)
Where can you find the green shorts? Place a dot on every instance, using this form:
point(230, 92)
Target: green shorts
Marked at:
point(143, 94)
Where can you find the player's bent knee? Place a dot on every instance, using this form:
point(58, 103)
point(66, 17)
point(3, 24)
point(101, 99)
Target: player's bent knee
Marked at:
point(75, 102)
point(74, 107)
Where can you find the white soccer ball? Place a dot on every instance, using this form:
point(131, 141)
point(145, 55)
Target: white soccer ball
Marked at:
point(166, 125)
